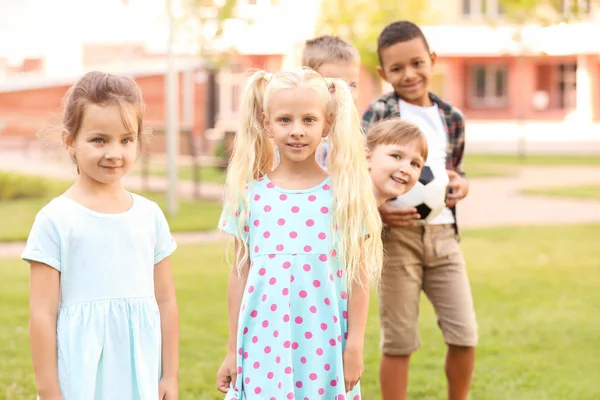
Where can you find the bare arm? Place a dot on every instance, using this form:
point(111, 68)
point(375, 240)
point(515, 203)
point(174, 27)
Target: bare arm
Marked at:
point(394, 216)
point(227, 373)
point(235, 290)
point(358, 309)
point(164, 290)
point(44, 284)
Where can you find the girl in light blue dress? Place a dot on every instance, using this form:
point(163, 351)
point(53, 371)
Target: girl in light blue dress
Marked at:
point(308, 244)
point(104, 319)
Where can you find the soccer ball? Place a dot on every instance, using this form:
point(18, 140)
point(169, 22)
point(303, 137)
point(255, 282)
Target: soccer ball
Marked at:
point(428, 195)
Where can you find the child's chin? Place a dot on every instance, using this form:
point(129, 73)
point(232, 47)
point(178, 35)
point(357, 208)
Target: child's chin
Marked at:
point(395, 193)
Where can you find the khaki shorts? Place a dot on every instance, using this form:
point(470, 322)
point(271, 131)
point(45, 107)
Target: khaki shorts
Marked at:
point(428, 258)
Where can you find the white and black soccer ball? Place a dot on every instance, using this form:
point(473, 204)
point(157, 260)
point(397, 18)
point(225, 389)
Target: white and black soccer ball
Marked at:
point(428, 195)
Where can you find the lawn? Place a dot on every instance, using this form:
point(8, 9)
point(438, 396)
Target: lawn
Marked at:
point(18, 215)
point(579, 192)
point(186, 172)
point(499, 165)
point(537, 299)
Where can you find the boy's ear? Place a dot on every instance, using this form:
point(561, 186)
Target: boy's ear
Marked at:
point(433, 58)
point(381, 73)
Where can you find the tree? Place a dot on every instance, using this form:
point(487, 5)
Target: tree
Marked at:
point(204, 22)
point(547, 12)
point(361, 21)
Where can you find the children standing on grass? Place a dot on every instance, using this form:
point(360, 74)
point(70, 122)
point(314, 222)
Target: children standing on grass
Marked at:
point(104, 319)
point(422, 257)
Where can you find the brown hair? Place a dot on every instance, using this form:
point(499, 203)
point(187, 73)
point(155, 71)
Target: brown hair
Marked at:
point(397, 131)
point(399, 32)
point(103, 89)
point(328, 49)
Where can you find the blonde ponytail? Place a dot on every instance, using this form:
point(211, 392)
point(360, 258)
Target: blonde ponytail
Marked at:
point(356, 215)
point(253, 156)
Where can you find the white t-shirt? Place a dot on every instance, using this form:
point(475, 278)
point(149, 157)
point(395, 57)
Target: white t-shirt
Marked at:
point(428, 119)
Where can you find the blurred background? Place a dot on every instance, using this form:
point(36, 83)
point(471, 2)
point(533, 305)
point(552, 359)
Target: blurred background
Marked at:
point(525, 73)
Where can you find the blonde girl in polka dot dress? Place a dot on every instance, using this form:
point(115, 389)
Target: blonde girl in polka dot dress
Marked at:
point(307, 243)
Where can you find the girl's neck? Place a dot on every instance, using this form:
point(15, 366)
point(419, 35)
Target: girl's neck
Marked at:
point(102, 198)
point(87, 186)
point(306, 175)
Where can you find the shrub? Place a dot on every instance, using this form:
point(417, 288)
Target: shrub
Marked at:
point(16, 187)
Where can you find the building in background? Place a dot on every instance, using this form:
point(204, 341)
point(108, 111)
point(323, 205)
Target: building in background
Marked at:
point(484, 71)
point(46, 46)
point(481, 68)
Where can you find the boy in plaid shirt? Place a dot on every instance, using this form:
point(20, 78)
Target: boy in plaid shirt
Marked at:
point(422, 256)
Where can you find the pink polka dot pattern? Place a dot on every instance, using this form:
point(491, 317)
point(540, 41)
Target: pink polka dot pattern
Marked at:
point(293, 319)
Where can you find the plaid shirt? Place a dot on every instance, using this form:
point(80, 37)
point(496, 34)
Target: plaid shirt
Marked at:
point(387, 106)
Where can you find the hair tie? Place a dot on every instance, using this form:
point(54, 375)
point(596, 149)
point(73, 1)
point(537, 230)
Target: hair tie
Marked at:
point(330, 86)
point(268, 76)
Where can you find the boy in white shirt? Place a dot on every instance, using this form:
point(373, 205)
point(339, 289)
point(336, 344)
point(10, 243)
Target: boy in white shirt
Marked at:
point(422, 256)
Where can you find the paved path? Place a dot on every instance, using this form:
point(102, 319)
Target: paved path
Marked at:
point(498, 201)
point(491, 201)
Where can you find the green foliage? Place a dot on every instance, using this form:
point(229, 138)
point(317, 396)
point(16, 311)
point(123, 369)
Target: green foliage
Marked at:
point(220, 149)
point(16, 187)
point(546, 13)
point(207, 19)
point(361, 21)
point(519, 11)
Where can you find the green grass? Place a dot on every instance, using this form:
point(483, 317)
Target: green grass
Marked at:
point(186, 172)
point(17, 216)
point(536, 294)
point(504, 165)
point(578, 192)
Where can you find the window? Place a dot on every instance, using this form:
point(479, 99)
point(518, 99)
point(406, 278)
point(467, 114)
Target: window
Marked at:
point(482, 8)
point(566, 77)
point(488, 85)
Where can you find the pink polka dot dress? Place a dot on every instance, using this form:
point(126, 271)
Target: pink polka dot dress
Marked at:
point(293, 320)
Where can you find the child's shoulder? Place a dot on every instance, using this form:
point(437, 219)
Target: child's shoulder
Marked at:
point(57, 208)
point(447, 107)
point(385, 99)
point(142, 203)
point(259, 184)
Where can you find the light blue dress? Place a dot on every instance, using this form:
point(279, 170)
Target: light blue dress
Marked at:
point(293, 324)
point(108, 328)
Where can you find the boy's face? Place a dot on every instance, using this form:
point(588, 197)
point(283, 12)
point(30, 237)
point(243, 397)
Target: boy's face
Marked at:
point(394, 169)
point(348, 71)
point(408, 66)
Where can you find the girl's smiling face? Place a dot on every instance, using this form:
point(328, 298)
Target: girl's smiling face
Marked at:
point(296, 120)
